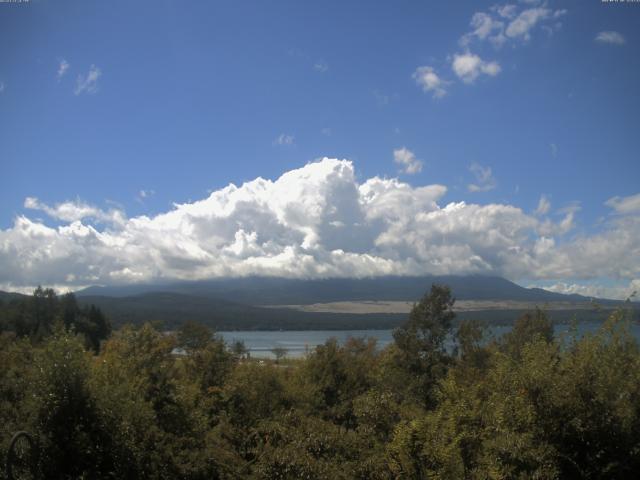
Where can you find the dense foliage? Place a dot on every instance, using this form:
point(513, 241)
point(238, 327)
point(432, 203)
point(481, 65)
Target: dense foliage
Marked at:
point(526, 405)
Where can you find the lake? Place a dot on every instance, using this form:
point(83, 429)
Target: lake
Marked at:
point(298, 343)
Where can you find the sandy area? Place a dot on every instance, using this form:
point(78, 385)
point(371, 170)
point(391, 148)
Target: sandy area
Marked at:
point(366, 307)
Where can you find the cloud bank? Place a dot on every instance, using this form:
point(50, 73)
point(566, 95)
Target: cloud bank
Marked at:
point(317, 221)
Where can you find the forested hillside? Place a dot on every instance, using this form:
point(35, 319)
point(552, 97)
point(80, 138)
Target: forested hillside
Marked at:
point(124, 405)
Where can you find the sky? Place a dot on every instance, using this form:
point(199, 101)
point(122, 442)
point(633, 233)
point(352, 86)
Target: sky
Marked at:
point(152, 141)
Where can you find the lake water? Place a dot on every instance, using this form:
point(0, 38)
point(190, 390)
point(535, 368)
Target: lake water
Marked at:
point(298, 343)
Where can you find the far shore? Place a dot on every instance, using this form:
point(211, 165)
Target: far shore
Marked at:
point(373, 306)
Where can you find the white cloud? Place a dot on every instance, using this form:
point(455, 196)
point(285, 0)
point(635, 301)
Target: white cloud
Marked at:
point(610, 37)
point(568, 222)
point(468, 67)
point(548, 228)
point(144, 194)
point(521, 26)
point(63, 66)
point(75, 211)
point(506, 11)
point(503, 23)
point(544, 205)
point(88, 83)
point(625, 205)
point(554, 149)
point(284, 139)
point(317, 221)
point(485, 180)
point(428, 79)
point(560, 13)
point(1, 87)
point(326, 131)
point(320, 66)
point(407, 160)
point(484, 26)
point(595, 290)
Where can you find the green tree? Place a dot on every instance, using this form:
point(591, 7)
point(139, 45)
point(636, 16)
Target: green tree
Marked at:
point(472, 350)
point(279, 353)
point(158, 417)
point(193, 336)
point(94, 325)
point(254, 392)
point(64, 418)
point(333, 376)
point(239, 349)
point(528, 327)
point(210, 365)
point(421, 341)
point(550, 411)
point(42, 311)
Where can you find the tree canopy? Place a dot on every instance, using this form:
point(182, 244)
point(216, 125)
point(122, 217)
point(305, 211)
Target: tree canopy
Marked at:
point(438, 402)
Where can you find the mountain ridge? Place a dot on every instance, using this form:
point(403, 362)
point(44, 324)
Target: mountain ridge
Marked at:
point(263, 303)
point(281, 291)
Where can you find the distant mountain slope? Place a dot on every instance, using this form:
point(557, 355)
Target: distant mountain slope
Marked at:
point(172, 309)
point(258, 302)
point(241, 303)
point(280, 291)
point(8, 296)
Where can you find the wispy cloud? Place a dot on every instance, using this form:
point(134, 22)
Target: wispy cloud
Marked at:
point(625, 205)
point(484, 27)
point(144, 194)
point(568, 222)
point(544, 205)
point(506, 11)
point(326, 131)
point(88, 83)
point(521, 26)
point(485, 180)
point(610, 37)
point(63, 66)
point(2, 87)
point(468, 67)
point(508, 23)
point(381, 99)
point(77, 210)
point(284, 139)
point(407, 160)
point(427, 78)
point(320, 66)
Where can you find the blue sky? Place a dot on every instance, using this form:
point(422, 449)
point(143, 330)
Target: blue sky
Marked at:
point(102, 101)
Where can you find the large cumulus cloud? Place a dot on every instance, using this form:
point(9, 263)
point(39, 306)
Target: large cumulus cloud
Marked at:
point(312, 222)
